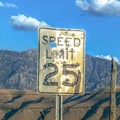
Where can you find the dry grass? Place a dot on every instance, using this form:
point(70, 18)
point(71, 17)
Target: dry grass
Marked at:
point(27, 105)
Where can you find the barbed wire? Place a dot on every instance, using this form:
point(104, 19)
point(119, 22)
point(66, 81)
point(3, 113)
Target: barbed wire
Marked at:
point(39, 94)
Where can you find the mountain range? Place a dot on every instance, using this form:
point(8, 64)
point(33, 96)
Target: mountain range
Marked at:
point(18, 70)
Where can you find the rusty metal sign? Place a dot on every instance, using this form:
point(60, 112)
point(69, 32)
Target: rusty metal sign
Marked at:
point(61, 57)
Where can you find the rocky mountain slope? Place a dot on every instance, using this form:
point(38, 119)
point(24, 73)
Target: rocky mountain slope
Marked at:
point(18, 70)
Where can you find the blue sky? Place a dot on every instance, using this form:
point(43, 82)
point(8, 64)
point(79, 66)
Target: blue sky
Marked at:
point(19, 21)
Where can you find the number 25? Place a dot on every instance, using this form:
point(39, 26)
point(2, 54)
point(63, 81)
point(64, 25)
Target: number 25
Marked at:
point(65, 72)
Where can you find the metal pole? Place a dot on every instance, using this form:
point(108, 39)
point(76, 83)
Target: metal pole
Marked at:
point(59, 104)
point(113, 91)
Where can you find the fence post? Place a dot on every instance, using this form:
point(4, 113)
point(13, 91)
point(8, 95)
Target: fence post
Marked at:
point(113, 90)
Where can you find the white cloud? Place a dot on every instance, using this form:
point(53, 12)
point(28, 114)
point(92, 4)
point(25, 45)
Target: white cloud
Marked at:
point(108, 57)
point(21, 22)
point(8, 5)
point(1, 4)
point(100, 7)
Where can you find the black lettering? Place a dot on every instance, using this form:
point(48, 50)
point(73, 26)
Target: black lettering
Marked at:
point(52, 39)
point(61, 54)
point(48, 78)
point(72, 51)
point(45, 40)
point(48, 54)
point(55, 54)
point(67, 71)
point(59, 41)
point(76, 42)
point(66, 53)
point(67, 40)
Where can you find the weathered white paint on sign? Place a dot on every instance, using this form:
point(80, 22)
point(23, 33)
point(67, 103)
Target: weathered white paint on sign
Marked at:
point(61, 61)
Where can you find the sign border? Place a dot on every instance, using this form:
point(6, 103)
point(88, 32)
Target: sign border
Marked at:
point(38, 60)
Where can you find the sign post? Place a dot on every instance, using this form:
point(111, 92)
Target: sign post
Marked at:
point(59, 104)
point(61, 62)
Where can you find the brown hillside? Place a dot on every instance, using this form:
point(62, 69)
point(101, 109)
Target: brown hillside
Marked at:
point(28, 105)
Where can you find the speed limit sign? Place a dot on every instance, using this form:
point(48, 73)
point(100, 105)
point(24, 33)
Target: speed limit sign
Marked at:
point(61, 61)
